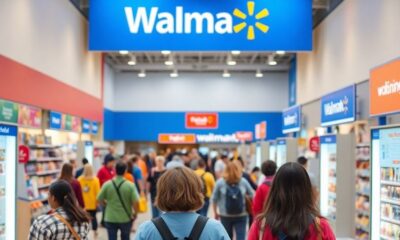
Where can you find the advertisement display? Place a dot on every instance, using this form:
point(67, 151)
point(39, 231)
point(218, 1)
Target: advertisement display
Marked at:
point(151, 25)
point(29, 116)
point(86, 126)
point(176, 138)
point(8, 112)
point(339, 107)
point(385, 89)
point(8, 161)
point(76, 124)
point(263, 130)
point(66, 122)
point(291, 119)
point(257, 130)
point(328, 177)
point(281, 152)
point(201, 120)
point(385, 179)
point(95, 128)
point(55, 120)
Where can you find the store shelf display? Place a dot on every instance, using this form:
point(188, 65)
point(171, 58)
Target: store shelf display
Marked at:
point(362, 191)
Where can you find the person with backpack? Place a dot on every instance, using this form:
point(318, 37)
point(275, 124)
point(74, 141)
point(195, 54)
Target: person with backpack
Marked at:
point(268, 168)
point(119, 196)
point(208, 182)
point(179, 195)
point(290, 212)
point(155, 174)
point(229, 197)
point(66, 221)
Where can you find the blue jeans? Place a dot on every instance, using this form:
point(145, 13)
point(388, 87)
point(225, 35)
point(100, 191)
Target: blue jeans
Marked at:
point(155, 211)
point(237, 223)
point(112, 230)
point(204, 210)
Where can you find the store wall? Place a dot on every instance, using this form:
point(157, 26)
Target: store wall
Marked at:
point(43, 51)
point(109, 96)
point(357, 36)
point(201, 92)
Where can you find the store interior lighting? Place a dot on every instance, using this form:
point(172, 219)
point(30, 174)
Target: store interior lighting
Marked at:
point(142, 74)
point(123, 52)
point(226, 74)
point(271, 60)
point(230, 61)
point(169, 61)
point(259, 74)
point(235, 52)
point(165, 52)
point(132, 61)
point(280, 52)
point(174, 74)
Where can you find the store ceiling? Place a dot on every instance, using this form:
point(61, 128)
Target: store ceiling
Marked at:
point(207, 61)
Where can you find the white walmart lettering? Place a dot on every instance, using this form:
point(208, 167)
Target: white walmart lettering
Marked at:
point(290, 120)
point(332, 108)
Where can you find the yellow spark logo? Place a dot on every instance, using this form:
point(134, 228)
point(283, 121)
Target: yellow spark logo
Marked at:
point(250, 12)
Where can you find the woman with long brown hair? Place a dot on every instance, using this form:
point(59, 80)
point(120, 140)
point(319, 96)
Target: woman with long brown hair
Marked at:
point(229, 197)
point(290, 212)
point(67, 175)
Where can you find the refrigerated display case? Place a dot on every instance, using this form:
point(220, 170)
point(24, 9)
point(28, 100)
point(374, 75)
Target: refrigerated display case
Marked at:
point(8, 161)
point(337, 170)
point(286, 150)
point(272, 151)
point(85, 150)
point(385, 183)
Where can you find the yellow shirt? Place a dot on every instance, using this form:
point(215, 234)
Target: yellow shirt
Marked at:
point(90, 190)
point(208, 179)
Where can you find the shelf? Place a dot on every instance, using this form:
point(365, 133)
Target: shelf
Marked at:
point(388, 220)
point(46, 159)
point(44, 186)
point(44, 173)
point(43, 146)
point(390, 183)
point(363, 212)
point(363, 173)
point(366, 194)
point(391, 201)
point(332, 194)
point(386, 237)
point(33, 199)
point(363, 145)
point(362, 227)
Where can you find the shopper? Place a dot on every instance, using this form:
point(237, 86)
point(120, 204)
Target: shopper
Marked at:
point(106, 172)
point(255, 174)
point(137, 174)
point(290, 212)
point(208, 182)
point(245, 175)
point(152, 180)
point(229, 197)
point(67, 175)
point(179, 195)
point(141, 163)
point(220, 166)
point(268, 168)
point(303, 161)
point(119, 196)
point(175, 162)
point(79, 172)
point(90, 187)
point(66, 220)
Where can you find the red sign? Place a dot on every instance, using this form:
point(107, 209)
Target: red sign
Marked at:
point(257, 131)
point(29, 116)
point(201, 120)
point(244, 136)
point(314, 144)
point(263, 130)
point(23, 154)
point(177, 138)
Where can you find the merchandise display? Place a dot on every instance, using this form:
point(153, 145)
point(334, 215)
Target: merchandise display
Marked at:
point(362, 191)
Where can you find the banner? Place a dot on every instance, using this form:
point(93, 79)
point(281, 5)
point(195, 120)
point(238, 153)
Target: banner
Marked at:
point(263, 130)
point(291, 119)
point(95, 128)
point(385, 89)
point(207, 25)
point(8, 111)
point(176, 138)
point(201, 120)
point(86, 126)
point(76, 124)
point(29, 116)
point(339, 107)
point(257, 131)
point(55, 120)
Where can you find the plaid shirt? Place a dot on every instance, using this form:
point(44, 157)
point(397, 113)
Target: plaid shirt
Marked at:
point(48, 227)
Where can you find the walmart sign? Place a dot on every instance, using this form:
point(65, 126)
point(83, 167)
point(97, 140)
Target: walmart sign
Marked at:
point(202, 25)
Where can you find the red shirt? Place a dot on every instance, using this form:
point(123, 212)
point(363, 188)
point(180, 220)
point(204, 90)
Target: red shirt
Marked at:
point(326, 232)
point(105, 175)
point(76, 186)
point(261, 197)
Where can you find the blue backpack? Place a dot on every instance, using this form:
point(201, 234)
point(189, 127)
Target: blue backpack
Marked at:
point(234, 201)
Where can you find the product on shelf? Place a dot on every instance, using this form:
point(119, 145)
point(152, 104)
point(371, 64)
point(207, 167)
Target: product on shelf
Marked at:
point(362, 191)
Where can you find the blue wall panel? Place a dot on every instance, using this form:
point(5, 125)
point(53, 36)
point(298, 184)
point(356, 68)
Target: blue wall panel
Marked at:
point(145, 126)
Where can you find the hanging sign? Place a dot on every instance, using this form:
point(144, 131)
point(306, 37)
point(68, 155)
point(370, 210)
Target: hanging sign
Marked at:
point(55, 120)
point(193, 25)
point(339, 107)
point(29, 116)
point(291, 120)
point(8, 112)
point(201, 120)
point(314, 144)
point(95, 128)
point(263, 130)
point(176, 138)
point(85, 126)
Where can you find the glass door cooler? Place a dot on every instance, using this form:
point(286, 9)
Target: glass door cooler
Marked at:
point(286, 150)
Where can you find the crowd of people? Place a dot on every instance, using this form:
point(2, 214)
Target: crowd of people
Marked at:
point(264, 203)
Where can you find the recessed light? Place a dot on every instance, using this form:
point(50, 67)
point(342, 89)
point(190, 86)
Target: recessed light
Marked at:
point(226, 74)
point(123, 52)
point(280, 52)
point(235, 52)
point(169, 61)
point(259, 74)
point(271, 60)
point(142, 74)
point(174, 74)
point(230, 61)
point(132, 62)
point(165, 52)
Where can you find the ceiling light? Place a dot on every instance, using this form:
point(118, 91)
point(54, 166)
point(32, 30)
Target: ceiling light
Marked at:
point(226, 74)
point(271, 60)
point(142, 74)
point(165, 52)
point(174, 74)
point(259, 74)
point(132, 62)
point(280, 52)
point(230, 61)
point(123, 52)
point(170, 61)
point(235, 52)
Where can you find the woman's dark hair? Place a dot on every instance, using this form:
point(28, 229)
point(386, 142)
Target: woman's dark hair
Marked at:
point(65, 197)
point(255, 169)
point(120, 168)
point(268, 168)
point(67, 172)
point(290, 204)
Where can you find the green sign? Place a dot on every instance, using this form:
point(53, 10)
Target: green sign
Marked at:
point(68, 122)
point(8, 111)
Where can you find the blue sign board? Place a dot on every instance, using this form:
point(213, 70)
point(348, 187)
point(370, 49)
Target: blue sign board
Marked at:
point(200, 25)
point(55, 120)
point(7, 130)
point(85, 126)
point(339, 107)
point(331, 139)
point(291, 119)
point(375, 134)
point(95, 128)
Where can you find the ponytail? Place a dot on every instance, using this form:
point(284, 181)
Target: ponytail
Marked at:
point(65, 197)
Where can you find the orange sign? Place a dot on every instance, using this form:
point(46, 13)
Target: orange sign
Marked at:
point(177, 138)
point(201, 120)
point(385, 89)
point(263, 130)
point(244, 136)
